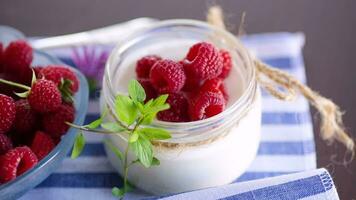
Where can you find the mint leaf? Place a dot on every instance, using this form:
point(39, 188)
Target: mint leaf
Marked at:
point(160, 100)
point(155, 133)
point(148, 119)
point(113, 127)
point(125, 109)
point(78, 145)
point(114, 149)
point(133, 137)
point(136, 91)
point(96, 123)
point(158, 108)
point(155, 162)
point(143, 151)
point(118, 192)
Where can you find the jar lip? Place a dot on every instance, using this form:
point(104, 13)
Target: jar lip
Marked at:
point(233, 42)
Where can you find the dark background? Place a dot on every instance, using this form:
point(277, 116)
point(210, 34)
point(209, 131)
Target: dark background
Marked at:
point(329, 26)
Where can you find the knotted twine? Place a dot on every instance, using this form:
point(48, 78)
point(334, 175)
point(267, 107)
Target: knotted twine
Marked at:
point(271, 79)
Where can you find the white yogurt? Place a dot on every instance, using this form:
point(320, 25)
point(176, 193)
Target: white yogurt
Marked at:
point(200, 166)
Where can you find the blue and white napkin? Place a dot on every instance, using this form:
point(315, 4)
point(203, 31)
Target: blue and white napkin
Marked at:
point(287, 144)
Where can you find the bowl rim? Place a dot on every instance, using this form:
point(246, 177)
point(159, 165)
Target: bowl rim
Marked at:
point(67, 139)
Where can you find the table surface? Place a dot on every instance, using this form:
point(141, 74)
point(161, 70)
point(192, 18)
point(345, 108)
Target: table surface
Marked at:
point(329, 26)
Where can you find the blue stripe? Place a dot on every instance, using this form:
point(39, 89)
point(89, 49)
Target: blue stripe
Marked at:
point(297, 189)
point(265, 148)
point(258, 175)
point(286, 148)
point(283, 118)
point(82, 180)
point(110, 179)
point(280, 62)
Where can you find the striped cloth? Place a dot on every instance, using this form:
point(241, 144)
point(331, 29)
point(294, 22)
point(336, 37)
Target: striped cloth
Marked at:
point(287, 144)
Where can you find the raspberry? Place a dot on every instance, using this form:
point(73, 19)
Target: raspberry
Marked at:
point(57, 73)
point(26, 118)
point(167, 76)
point(5, 144)
point(227, 64)
point(205, 105)
point(144, 65)
point(44, 96)
point(54, 123)
point(204, 61)
point(178, 109)
point(42, 144)
point(17, 57)
point(150, 91)
point(192, 83)
point(215, 85)
point(15, 162)
point(7, 113)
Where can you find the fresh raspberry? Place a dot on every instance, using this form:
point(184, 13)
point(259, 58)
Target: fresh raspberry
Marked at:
point(205, 105)
point(15, 162)
point(7, 113)
point(25, 119)
point(54, 123)
point(44, 96)
point(167, 76)
point(215, 85)
point(57, 73)
point(149, 90)
point(42, 144)
point(227, 63)
point(178, 111)
point(204, 61)
point(192, 84)
point(5, 144)
point(144, 65)
point(17, 56)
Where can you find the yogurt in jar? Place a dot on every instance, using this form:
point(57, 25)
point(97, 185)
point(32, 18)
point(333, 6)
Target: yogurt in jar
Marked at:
point(201, 154)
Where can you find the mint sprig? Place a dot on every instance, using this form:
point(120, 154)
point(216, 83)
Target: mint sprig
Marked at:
point(130, 114)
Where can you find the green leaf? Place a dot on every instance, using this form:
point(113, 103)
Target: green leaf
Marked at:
point(114, 149)
point(136, 91)
point(133, 137)
point(94, 124)
point(23, 94)
point(148, 119)
point(160, 100)
point(125, 109)
point(113, 127)
point(143, 151)
point(34, 78)
point(155, 133)
point(118, 192)
point(155, 162)
point(66, 91)
point(78, 145)
point(158, 108)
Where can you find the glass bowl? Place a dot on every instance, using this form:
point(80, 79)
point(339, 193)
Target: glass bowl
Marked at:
point(30, 179)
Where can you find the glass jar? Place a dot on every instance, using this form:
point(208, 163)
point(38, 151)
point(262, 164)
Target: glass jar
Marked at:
point(200, 154)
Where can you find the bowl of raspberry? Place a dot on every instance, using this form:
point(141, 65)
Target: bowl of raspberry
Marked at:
point(215, 104)
point(38, 95)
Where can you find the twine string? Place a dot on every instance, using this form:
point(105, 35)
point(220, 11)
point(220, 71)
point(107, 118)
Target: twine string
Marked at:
point(272, 79)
